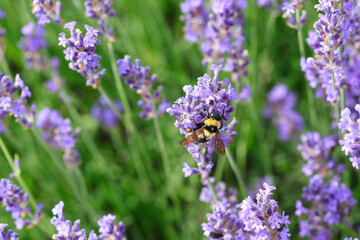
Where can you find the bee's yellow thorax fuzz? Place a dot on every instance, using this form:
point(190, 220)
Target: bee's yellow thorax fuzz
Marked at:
point(212, 121)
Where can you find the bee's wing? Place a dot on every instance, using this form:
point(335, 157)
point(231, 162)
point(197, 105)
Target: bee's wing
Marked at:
point(193, 138)
point(217, 144)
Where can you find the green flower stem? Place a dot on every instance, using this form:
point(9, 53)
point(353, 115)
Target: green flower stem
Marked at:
point(45, 223)
point(84, 199)
point(144, 159)
point(309, 93)
point(237, 173)
point(3, 63)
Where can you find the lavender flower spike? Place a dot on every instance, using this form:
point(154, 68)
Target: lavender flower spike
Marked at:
point(208, 96)
point(247, 220)
point(80, 52)
point(102, 112)
point(10, 235)
point(16, 201)
point(65, 229)
point(58, 133)
point(139, 80)
point(45, 10)
point(330, 204)
point(350, 143)
point(280, 109)
point(10, 105)
point(32, 43)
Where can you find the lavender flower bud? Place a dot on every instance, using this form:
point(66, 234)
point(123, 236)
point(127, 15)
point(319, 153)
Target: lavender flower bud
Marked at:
point(16, 201)
point(139, 80)
point(223, 194)
point(102, 112)
point(10, 235)
point(280, 109)
point(80, 52)
point(101, 10)
point(350, 143)
point(46, 10)
point(290, 8)
point(32, 43)
point(108, 230)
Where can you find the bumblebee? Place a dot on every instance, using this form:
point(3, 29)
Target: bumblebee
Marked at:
point(206, 130)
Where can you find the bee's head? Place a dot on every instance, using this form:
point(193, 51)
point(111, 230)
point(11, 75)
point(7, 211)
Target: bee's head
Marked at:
point(216, 115)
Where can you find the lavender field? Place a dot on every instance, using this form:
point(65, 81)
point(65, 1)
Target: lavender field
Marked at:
point(189, 119)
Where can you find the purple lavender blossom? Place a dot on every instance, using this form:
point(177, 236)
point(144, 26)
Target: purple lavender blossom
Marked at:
point(280, 109)
point(332, 32)
point(46, 10)
point(247, 220)
point(12, 105)
point(290, 9)
point(10, 235)
point(32, 43)
point(108, 230)
point(218, 27)
point(67, 230)
point(245, 93)
point(81, 53)
point(58, 133)
point(139, 80)
point(350, 143)
point(102, 112)
point(101, 10)
point(16, 201)
point(209, 95)
point(316, 152)
point(330, 204)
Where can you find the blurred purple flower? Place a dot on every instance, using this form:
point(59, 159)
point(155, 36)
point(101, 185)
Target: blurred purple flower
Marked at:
point(101, 10)
point(10, 105)
point(139, 80)
point(102, 112)
point(280, 109)
point(265, 3)
point(316, 152)
point(58, 133)
point(45, 10)
point(32, 43)
point(10, 235)
point(16, 201)
point(258, 183)
point(80, 52)
point(218, 27)
point(54, 84)
point(330, 204)
point(208, 96)
point(245, 93)
point(222, 194)
point(290, 8)
point(350, 143)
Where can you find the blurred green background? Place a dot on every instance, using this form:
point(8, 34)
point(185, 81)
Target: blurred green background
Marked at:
point(151, 30)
